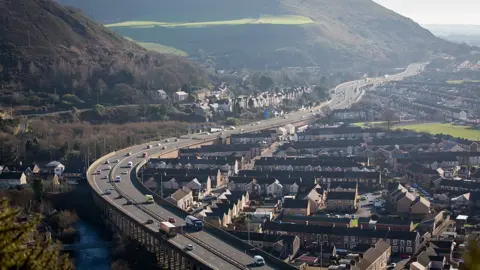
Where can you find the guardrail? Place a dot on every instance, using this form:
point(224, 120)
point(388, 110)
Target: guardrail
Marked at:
point(134, 178)
point(142, 226)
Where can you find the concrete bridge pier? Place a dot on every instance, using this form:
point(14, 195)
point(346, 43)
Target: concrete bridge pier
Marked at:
point(168, 255)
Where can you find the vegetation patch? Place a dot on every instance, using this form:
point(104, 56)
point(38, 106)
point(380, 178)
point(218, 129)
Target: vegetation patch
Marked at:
point(462, 81)
point(279, 20)
point(156, 47)
point(465, 132)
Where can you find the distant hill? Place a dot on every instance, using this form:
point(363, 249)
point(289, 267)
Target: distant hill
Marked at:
point(469, 34)
point(257, 33)
point(52, 54)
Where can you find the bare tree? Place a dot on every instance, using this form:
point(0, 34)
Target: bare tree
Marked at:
point(389, 117)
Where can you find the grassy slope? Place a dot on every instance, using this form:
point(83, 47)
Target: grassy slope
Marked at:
point(46, 48)
point(347, 32)
point(278, 20)
point(159, 47)
point(455, 131)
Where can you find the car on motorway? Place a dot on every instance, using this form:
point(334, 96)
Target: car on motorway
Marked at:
point(117, 160)
point(149, 146)
point(188, 247)
point(107, 192)
point(129, 154)
point(145, 154)
point(232, 127)
point(125, 172)
point(107, 161)
point(129, 202)
point(164, 148)
point(171, 219)
point(118, 178)
point(98, 172)
point(166, 140)
point(258, 260)
point(149, 221)
point(108, 168)
point(159, 144)
point(176, 140)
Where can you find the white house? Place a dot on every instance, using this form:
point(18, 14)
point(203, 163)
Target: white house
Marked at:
point(182, 198)
point(159, 94)
point(180, 96)
point(55, 167)
point(12, 179)
point(462, 115)
point(275, 189)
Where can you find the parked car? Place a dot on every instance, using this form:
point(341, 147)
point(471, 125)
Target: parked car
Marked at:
point(189, 247)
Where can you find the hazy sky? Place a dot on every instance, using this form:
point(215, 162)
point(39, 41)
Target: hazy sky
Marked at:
point(437, 11)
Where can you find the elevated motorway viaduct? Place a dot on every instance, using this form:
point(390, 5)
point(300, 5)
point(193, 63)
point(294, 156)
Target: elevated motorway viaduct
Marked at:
point(214, 248)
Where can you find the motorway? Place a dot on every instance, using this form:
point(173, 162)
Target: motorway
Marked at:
point(217, 254)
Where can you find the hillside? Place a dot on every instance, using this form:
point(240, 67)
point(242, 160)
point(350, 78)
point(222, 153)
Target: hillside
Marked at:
point(330, 34)
point(54, 55)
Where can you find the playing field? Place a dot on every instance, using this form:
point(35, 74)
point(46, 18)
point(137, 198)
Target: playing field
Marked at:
point(280, 20)
point(437, 128)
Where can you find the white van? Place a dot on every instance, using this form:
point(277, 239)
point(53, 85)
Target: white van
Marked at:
point(258, 260)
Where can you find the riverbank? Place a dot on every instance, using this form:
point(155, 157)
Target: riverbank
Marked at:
point(91, 259)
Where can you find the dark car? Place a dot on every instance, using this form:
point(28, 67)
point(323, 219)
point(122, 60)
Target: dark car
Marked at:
point(129, 203)
point(149, 221)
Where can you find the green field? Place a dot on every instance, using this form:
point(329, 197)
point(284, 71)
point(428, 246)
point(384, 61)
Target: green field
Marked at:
point(280, 20)
point(462, 81)
point(436, 128)
point(159, 47)
point(368, 124)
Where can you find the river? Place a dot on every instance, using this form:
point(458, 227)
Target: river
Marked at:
point(91, 259)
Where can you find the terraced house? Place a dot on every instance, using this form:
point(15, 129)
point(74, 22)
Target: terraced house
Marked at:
point(308, 163)
point(402, 242)
point(316, 134)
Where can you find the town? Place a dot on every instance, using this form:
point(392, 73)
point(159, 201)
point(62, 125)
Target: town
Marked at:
point(351, 188)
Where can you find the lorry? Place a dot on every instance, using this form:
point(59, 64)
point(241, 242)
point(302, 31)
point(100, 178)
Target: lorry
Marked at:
point(149, 199)
point(167, 228)
point(193, 222)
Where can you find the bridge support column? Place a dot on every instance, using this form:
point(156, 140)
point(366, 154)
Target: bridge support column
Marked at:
point(169, 257)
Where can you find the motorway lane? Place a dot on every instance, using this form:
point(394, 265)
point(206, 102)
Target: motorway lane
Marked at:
point(137, 197)
point(127, 187)
point(201, 253)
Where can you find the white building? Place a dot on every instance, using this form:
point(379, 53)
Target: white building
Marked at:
point(180, 96)
point(275, 189)
point(55, 167)
point(12, 179)
point(159, 94)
